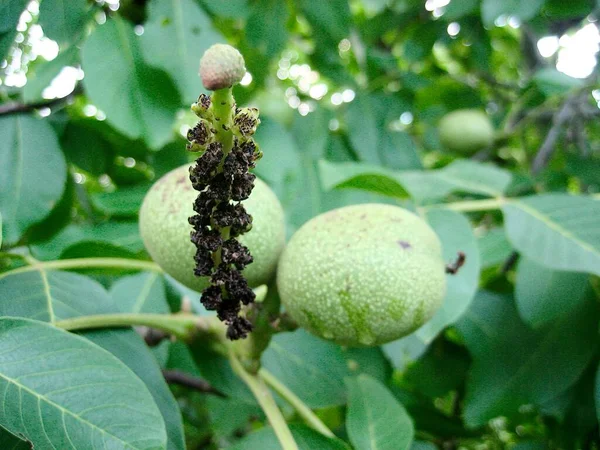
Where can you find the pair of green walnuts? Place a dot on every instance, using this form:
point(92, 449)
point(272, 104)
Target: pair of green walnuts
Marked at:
point(360, 275)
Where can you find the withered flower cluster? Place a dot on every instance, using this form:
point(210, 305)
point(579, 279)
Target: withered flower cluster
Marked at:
point(221, 174)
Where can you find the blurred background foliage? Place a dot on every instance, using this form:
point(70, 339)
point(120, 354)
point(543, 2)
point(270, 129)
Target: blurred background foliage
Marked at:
point(96, 94)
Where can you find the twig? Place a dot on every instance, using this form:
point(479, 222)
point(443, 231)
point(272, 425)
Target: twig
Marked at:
point(510, 262)
point(546, 151)
point(455, 266)
point(15, 108)
point(197, 384)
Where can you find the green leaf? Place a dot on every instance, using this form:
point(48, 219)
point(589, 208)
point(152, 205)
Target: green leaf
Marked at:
point(50, 377)
point(139, 101)
point(314, 369)
point(558, 231)
point(52, 295)
point(176, 35)
point(494, 248)
point(361, 176)
point(331, 18)
point(122, 235)
point(86, 148)
point(457, 10)
point(10, 12)
point(514, 365)
point(268, 33)
point(130, 348)
point(124, 202)
point(45, 72)
point(492, 9)
point(1, 230)
point(143, 292)
point(64, 21)
point(30, 153)
point(456, 235)
point(474, 178)
point(552, 82)
point(306, 438)
point(597, 393)
point(10, 442)
point(375, 420)
point(543, 295)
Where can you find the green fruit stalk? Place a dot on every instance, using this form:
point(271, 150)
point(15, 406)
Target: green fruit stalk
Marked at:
point(362, 275)
point(466, 131)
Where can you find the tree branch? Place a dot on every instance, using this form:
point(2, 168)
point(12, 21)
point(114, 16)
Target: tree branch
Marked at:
point(15, 108)
point(197, 384)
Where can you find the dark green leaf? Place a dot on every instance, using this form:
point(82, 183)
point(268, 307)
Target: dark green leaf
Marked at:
point(306, 438)
point(457, 10)
point(30, 153)
point(514, 365)
point(331, 18)
point(268, 31)
point(138, 100)
point(175, 36)
point(10, 11)
point(86, 148)
point(375, 420)
point(543, 295)
point(50, 377)
point(124, 202)
point(64, 22)
point(558, 231)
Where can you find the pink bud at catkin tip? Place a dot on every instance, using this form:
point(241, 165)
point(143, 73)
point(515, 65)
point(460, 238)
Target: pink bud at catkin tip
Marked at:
point(221, 66)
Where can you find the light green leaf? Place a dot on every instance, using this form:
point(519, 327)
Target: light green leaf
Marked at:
point(64, 21)
point(52, 295)
point(130, 348)
point(552, 82)
point(456, 234)
point(514, 365)
point(62, 391)
point(559, 231)
point(331, 18)
point(1, 230)
point(175, 37)
point(29, 153)
point(124, 235)
point(314, 369)
point(268, 33)
point(459, 9)
point(494, 248)
point(543, 295)
point(492, 9)
point(375, 420)
point(45, 72)
point(306, 438)
point(363, 129)
point(474, 178)
point(361, 176)
point(140, 101)
point(143, 292)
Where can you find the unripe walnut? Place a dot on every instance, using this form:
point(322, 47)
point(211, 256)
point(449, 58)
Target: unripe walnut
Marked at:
point(466, 131)
point(362, 275)
point(165, 229)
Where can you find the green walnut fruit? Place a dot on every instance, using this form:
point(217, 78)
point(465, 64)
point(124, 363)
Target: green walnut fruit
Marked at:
point(466, 131)
point(166, 232)
point(362, 275)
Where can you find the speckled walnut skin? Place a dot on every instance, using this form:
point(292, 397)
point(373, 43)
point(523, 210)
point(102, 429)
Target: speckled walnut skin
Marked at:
point(362, 275)
point(165, 229)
